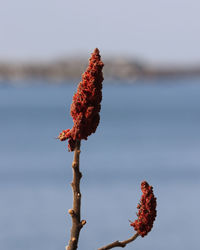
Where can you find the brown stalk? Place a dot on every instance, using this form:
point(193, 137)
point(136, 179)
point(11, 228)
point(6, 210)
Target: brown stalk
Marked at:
point(75, 212)
point(119, 243)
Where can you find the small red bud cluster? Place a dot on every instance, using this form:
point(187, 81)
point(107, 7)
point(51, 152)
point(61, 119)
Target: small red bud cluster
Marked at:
point(86, 106)
point(147, 210)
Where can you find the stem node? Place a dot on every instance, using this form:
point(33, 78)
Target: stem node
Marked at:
point(71, 212)
point(83, 222)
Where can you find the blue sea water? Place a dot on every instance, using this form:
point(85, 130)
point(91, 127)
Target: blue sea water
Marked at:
point(149, 130)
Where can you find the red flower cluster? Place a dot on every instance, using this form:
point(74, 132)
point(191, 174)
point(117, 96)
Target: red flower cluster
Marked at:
point(147, 210)
point(86, 106)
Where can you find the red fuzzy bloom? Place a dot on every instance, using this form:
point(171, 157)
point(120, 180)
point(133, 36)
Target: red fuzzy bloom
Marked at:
point(147, 210)
point(86, 106)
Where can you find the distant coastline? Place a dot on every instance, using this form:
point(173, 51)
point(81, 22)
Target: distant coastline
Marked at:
point(117, 68)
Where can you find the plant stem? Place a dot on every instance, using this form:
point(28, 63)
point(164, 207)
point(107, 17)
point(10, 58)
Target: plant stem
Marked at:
point(119, 243)
point(75, 212)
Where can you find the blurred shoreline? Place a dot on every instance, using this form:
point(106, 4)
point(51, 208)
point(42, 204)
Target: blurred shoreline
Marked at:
point(72, 68)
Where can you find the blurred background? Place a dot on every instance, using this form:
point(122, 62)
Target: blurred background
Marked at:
point(149, 129)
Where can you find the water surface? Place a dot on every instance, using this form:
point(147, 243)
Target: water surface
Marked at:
point(148, 131)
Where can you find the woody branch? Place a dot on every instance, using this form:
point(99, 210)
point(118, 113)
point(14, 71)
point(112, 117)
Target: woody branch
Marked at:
point(119, 243)
point(75, 212)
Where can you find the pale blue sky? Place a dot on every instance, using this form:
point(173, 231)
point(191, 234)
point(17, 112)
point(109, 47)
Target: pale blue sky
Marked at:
point(161, 31)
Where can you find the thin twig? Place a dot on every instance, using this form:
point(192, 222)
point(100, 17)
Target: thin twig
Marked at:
point(119, 243)
point(75, 212)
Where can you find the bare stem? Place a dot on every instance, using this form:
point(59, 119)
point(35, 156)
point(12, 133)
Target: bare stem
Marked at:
point(75, 212)
point(119, 243)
